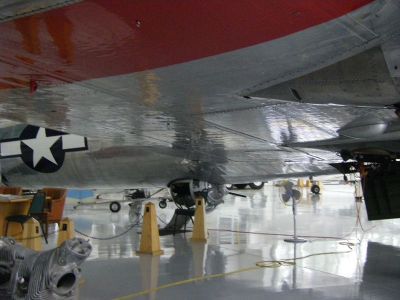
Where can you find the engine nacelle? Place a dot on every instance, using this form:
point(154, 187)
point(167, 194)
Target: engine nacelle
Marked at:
point(184, 192)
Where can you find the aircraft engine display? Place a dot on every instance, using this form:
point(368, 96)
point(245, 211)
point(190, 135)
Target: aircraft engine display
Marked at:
point(52, 274)
point(183, 192)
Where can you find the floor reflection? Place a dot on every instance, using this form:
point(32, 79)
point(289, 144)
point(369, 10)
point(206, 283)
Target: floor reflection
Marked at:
point(149, 269)
point(195, 259)
point(381, 272)
point(369, 271)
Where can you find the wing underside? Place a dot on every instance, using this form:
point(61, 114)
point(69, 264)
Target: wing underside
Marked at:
point(234, 112)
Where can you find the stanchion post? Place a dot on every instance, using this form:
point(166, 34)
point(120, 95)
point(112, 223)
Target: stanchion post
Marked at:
point(199, 227)
point(66, 231)
point(150, 239)
point(32, 236)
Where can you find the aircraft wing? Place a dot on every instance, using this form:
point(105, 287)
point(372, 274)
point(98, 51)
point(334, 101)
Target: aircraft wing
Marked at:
point(185, 90)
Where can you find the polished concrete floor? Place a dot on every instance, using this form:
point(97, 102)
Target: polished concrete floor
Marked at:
point(349, 259)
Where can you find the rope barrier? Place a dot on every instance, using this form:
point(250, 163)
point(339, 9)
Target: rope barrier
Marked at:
point(111, 237)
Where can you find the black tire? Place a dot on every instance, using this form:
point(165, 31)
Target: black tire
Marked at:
point(229, 186)
point(162, 204)
point(241, 186)
point(115, 206)
point(315, 189)
point(256, 185)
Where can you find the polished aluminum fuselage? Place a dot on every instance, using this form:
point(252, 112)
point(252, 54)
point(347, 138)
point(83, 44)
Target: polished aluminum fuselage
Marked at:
point(158, 104)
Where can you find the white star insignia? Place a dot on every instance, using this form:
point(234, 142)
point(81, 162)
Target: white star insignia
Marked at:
point(41, 146)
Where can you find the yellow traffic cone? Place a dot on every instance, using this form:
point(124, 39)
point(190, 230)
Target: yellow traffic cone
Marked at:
point(31, 236)
point(199, 227)
point(66, 231)
point(150, 239)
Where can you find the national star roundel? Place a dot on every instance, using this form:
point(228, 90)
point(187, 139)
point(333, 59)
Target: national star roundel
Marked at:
point(42, 149)
point(49, 163)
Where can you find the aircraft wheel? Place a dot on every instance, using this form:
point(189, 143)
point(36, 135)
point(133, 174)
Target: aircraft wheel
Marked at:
point(162, 204)
point(315, 189)
point(240, 186)
point(256, 185)
point(115, 206)
point(229, 186)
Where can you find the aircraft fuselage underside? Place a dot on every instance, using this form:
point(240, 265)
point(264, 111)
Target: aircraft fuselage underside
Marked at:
point(158, 105)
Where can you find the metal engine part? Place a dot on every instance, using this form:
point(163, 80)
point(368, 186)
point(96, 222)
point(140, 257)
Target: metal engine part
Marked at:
point(183, 192)
point(53, 274)
point(215, 194)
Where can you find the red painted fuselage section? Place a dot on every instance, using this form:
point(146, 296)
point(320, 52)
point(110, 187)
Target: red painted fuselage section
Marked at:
point(101, 38)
